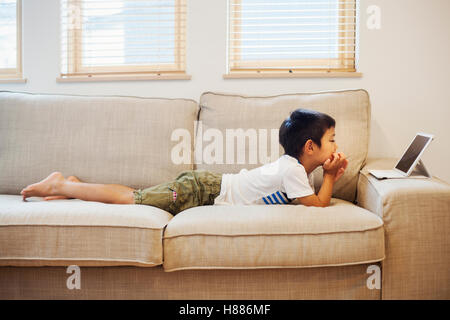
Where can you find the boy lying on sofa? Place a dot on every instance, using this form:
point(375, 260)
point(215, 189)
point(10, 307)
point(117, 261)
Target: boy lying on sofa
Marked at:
point(307, 138)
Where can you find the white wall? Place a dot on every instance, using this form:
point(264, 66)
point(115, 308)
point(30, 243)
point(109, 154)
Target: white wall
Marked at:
point(405, 68)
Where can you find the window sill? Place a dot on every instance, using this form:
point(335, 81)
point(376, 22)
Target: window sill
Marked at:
point(15, 80)
point(293, 75)
point(124, 78)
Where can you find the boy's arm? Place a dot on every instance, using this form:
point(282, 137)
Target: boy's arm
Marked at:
point(322, 199)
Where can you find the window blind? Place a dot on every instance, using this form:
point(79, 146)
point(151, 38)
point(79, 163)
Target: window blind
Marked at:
point(118, 37)
point(292, 36)
point(10, 39)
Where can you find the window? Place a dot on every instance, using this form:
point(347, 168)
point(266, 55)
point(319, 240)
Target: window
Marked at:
point(10, 40)
point(144, 39)
point(288, 37)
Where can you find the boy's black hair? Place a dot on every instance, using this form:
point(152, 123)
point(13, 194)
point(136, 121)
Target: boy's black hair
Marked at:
point(301, 126)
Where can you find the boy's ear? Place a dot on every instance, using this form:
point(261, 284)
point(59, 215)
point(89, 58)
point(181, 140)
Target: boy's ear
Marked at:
point(309, 147)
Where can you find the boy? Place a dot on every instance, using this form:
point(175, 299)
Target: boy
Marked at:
point(308, 140)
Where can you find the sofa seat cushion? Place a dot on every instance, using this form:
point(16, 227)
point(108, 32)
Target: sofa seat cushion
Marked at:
point(77, 232)
point(277, 236)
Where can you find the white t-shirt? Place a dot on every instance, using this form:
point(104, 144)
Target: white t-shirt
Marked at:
point(277, 182)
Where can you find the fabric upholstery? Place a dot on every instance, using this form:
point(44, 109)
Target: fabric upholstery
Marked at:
point(84, 233)
point(348, 282)
point(278, 236)
point(110, 139)
point(416, 215)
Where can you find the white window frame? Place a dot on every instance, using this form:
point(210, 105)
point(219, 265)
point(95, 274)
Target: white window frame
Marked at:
point(283, 68)
point(76, 72)
point(15, 74)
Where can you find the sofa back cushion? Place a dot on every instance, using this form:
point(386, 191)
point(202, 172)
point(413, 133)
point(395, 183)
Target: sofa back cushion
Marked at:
point(261, 117)
point(99, 139)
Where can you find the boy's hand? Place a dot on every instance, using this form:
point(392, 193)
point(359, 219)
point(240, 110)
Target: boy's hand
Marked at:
point(336, 165)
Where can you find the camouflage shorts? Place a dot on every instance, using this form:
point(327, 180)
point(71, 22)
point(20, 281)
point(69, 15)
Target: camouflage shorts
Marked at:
point(189, 189)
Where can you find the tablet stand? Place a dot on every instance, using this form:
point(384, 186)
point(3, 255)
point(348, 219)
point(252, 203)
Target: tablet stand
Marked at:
point(420, 169)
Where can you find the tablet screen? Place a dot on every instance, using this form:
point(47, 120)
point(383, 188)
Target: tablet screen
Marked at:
point(412, 153)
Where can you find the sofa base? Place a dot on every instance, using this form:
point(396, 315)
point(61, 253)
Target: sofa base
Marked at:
point(347, 282)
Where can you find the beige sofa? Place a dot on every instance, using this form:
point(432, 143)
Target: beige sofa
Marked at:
point(384, 239)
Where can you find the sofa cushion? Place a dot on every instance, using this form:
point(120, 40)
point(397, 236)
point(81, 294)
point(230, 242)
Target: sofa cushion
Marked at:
point(99, 139)
point(279, 236)
point(83, 233)
point(350, 109)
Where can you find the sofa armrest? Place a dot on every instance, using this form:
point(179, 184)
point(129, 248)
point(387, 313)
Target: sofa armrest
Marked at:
point(416, 216)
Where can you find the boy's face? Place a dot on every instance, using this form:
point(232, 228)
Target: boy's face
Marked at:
point(329, 146)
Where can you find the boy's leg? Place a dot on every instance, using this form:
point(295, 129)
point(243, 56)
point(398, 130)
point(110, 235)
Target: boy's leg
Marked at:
point(55, 184)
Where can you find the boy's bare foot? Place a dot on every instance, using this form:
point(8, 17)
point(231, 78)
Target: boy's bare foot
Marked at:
point(47, 187)
point(70, 178)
